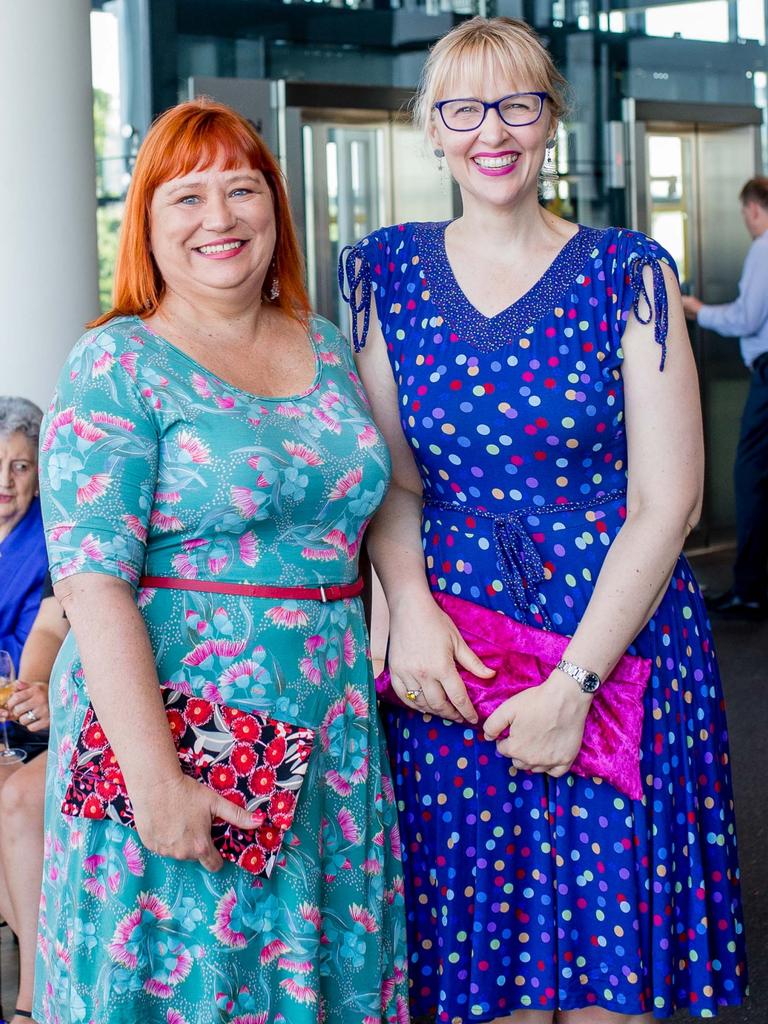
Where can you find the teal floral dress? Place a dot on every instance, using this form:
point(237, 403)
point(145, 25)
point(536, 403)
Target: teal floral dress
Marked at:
point(152, 465)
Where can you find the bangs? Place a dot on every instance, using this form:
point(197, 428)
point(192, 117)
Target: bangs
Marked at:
point(474, 64)
point(203, 141)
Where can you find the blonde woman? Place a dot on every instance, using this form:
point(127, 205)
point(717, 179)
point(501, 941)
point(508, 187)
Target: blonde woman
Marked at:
point(534, 381)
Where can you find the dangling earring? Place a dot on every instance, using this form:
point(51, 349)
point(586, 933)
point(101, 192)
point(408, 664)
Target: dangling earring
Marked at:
point(549, 167)
point(274, 291)
point(439, 153)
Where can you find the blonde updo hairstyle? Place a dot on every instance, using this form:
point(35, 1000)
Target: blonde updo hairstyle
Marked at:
point(476, 50)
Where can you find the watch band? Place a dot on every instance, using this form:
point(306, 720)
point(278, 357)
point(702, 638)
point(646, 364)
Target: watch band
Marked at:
point(588, 681)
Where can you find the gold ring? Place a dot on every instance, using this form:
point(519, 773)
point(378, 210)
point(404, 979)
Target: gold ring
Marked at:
point(412, 694)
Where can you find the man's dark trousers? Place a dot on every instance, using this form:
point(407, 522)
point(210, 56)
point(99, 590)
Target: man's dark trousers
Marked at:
point(750, 572)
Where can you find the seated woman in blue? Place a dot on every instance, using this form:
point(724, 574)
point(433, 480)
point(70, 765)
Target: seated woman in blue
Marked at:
point(22, 541)
point(543, 468)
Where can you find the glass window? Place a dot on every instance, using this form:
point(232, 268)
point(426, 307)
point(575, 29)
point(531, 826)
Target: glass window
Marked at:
point(707, 20)
point(750, 20)
point(111, 171)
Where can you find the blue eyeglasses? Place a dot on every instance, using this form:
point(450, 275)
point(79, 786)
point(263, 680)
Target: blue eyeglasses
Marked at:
point(515, 110)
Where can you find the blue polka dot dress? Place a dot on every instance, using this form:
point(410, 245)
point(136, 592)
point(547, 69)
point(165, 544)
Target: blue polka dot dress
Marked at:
point(525, 891)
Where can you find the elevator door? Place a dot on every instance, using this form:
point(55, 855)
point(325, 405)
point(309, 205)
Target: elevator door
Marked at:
point(688, 178)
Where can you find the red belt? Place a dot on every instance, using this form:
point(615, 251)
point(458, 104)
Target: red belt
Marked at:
point(324, 593)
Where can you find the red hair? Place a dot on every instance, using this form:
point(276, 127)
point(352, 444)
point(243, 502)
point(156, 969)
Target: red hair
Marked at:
point(194, 136)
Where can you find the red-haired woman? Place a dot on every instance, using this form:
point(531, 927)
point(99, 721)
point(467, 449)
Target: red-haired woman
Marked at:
point(210, 465)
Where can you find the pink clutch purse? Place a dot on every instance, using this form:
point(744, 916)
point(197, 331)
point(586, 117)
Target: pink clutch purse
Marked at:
point(524, 656)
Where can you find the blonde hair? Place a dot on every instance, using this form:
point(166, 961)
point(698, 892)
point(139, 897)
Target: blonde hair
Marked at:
point(477, 49)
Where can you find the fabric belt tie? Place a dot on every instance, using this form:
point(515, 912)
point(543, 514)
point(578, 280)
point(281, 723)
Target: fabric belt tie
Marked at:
point(324, 592)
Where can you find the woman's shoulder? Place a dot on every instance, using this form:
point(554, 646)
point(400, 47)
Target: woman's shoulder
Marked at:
point(394, 238)
point(625, 245)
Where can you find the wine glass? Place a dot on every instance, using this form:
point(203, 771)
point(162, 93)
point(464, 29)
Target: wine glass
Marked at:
point(8, 755)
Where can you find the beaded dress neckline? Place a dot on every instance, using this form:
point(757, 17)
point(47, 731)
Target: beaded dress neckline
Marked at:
point(465, 320)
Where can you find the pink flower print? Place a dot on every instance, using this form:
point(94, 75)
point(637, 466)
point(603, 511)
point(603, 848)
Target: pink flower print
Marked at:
point(113, 421)
point(129, 571)
point(272, 951)
point(287, 615)
point(327, 411)
point(348, 826)
point(61, 419)
point(136, 526)
point(311, 671)
point(87, 431)
point(403, 1016)
point(367, 437)
point(301, 993)
point(60, 530)
point(311, 913)
point(350, 648)
point(248, 546)
point(213, 648)
point(251, 1018)
point(303, 452)
point(344, 484)
point(164, 523)
point(128, 362)
point(71, 566)
point(329, 358)
point(339, 540)
point(134, 859)
point(217, 564)
point(93, 488)
point(90, 546)
point(364, 917)
point(174, 1017)
point(193, 447)
point(174, 967)
point(126, 941)
point(222, 926)
point(395, 843)
point(242, 674)
point(103, 364)
point(184, 566)
point(295, 966)
point(225, 401)
point(167, 497)
point(291, 412)
point(248, 502)
point(320, 554)
point(201, 386)
point(388, 789)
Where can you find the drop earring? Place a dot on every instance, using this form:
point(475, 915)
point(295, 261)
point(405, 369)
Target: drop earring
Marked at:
point(439, 153)
point(549, 168)
point(274, 291)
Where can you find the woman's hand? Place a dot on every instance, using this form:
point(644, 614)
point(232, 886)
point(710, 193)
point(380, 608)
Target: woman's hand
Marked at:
point(425, 646)
point(546, 725)
point(28, 705)
point(174, 819)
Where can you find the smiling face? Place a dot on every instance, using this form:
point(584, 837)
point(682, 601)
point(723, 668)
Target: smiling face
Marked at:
point(496, 163)
point(213, 232)
point(18, 479)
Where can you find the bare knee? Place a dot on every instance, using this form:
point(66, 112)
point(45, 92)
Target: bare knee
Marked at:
point(22, 797)
point(597, 1015)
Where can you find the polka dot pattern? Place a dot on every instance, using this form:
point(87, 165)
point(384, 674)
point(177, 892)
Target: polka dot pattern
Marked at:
point(526, 891)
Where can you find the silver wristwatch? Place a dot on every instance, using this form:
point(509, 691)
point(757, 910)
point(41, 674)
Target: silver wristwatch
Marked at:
point(588, 681)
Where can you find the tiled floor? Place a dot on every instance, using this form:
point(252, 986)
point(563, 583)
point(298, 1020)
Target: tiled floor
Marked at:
point(743, 651)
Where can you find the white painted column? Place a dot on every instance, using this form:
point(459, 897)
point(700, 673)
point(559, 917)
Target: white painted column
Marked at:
point(48, 256)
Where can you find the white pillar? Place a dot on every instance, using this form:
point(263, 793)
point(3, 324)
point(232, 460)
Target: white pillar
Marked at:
point(48, 256)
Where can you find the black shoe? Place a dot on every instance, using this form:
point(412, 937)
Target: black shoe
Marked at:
point(729, 605)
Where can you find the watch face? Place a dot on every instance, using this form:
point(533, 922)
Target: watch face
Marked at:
point(591, 682)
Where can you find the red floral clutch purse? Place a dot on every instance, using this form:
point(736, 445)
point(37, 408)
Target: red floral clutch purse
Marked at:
point(250, 759)
point(524, 656)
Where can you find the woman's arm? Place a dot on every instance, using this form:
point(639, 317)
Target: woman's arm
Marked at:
point(425, 645)
point(37, 658)
point(173, 812)
point(665, 455)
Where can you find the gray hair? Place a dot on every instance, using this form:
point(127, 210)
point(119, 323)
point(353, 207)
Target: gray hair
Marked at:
point(20, 415)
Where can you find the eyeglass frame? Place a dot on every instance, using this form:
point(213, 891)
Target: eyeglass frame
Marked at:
point(495, 105)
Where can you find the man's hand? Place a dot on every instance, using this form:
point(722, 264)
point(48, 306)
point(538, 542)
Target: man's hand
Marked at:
point(691, 306)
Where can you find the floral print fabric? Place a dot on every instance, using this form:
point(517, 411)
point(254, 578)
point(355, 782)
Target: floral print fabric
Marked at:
point(525, 891)
point(155, 466)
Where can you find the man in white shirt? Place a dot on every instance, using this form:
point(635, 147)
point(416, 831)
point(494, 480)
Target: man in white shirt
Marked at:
point(747, 318)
